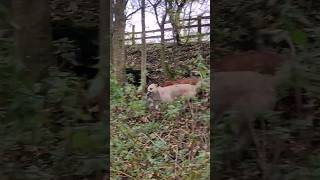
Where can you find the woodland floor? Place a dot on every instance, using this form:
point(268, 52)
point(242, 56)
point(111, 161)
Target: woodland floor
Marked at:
point(172, 143)
point(181, 59)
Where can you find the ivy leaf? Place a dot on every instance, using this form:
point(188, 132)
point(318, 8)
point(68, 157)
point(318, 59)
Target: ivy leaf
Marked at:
point(81, 141)
point(96, 86)
point(298, 37)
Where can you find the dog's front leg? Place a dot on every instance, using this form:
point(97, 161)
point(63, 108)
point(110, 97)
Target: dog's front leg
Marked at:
point(189, 101)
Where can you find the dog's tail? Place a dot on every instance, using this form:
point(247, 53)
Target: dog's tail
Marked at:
point(202, 86)
point(199, 84)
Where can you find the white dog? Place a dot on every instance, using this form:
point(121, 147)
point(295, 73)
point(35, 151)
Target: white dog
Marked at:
point(158, 94)
point(169, 93)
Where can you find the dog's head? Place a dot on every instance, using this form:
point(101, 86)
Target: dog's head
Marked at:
point(151, 88)
point(152, 96)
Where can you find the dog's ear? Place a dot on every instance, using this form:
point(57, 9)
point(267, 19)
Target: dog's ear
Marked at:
point(148, 85)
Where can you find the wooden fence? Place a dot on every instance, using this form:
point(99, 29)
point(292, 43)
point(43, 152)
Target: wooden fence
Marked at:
point(131, 36)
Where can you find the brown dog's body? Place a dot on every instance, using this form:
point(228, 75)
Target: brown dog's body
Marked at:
point(169, 93)
point(245, 84)
point(263, 62)
point(248, 92)
point(242, 75)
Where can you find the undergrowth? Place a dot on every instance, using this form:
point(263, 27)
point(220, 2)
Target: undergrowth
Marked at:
point(44, 132)
point(168, 144)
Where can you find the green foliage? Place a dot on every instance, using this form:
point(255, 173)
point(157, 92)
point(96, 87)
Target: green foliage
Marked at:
point(65, 49)
point(299, 37)
point(44, 131)
point(33, 119)
point(173, 109)
point(116, 92)
point(97, 85)
point(139, 145)
point(3, 12)
point(295, 135)
point(137, 108)
point(201, 67)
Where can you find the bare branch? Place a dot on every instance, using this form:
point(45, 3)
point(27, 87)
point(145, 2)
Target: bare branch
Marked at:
point(154, 6)
point(127, 16)
point(135, 11)
point(165, 14)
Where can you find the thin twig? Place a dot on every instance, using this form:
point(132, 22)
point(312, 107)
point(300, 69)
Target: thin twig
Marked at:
point(123, 173)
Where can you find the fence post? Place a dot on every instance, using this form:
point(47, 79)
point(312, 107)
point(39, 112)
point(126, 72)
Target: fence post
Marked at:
point(199, 28)
point(133, 42)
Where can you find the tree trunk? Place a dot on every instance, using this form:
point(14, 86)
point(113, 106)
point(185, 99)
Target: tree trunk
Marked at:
point(143, 47)
point(174, 17)
point(118, 48)
point(111, 29)
point(104, 56)
point(164, 64)
point(32, 33)
point(104, 68)
point(162, 53)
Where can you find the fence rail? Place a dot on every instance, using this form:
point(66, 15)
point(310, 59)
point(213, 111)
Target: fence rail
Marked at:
point(198, 35)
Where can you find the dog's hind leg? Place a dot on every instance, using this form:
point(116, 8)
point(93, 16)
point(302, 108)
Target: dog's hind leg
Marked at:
point(190, 107)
